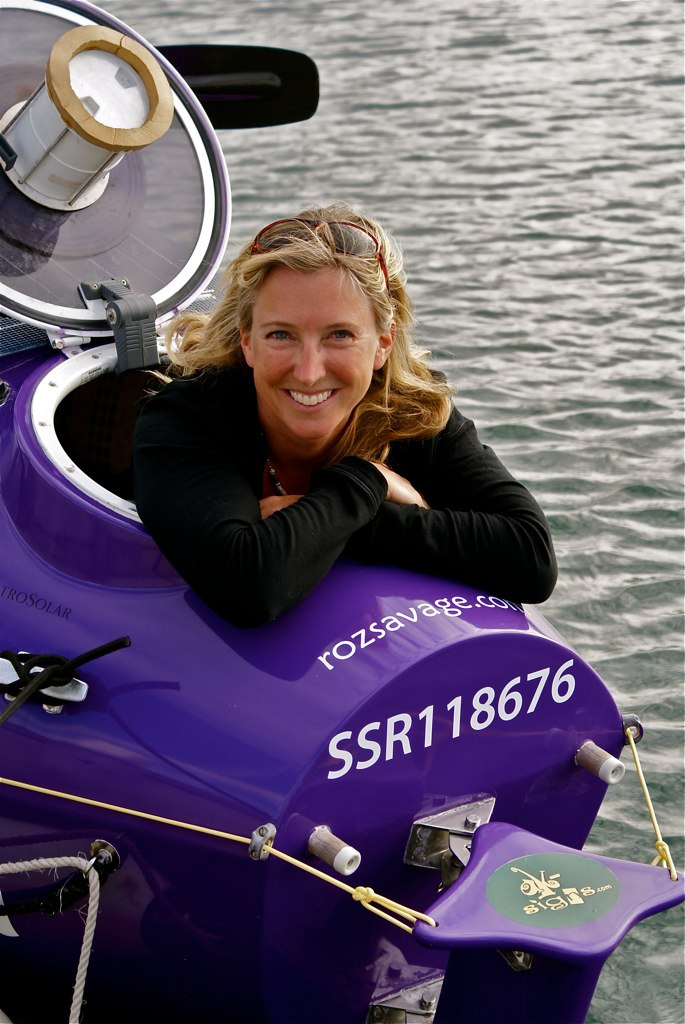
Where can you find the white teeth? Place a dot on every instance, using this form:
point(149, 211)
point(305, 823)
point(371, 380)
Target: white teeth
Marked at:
point(317, 399)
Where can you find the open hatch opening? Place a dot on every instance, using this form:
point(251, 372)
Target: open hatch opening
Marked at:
point(94, 424)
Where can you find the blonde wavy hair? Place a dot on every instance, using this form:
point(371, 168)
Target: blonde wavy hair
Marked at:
point(406, 398)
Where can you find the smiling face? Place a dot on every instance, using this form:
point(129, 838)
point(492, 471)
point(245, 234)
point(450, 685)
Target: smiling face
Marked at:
point(313, 346)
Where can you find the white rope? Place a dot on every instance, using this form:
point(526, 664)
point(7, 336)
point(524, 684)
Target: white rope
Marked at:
point(86, 945)
point(79, 863)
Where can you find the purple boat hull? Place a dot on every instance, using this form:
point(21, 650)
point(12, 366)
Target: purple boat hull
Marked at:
point(384, 697)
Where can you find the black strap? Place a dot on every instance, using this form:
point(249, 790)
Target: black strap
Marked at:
point(56, 670)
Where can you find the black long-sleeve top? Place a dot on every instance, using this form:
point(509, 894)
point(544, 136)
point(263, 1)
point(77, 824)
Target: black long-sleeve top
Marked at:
point(199, 455)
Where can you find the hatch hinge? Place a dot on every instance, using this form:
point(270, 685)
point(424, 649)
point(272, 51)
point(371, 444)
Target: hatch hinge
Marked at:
point(132, 319)
point(443, 840)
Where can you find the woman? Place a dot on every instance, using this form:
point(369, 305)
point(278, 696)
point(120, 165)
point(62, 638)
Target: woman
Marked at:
point(307, 426)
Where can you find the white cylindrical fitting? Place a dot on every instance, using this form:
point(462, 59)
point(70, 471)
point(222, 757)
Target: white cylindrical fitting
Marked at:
point(598, 761)
point(333, 851)
point(103, 95)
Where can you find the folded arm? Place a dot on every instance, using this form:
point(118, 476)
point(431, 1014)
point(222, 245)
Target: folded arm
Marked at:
point(446, 506)
point(482, 528)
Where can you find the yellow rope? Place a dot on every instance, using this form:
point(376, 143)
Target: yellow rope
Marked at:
point(663, 853)
point(362, 894)
point(123, 810)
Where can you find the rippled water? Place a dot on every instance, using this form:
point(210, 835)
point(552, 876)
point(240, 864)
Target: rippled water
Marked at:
point(527, 155)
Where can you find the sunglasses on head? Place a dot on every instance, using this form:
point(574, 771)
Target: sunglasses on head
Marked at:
point(348, 238)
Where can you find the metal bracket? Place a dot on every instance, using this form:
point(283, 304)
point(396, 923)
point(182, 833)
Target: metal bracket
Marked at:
point(442, 841)
point(262, 838)
point(104, 858)
point(73, 692)
point(415, 1005)
point(633, 723)
point(517, 959)
point(132, 319)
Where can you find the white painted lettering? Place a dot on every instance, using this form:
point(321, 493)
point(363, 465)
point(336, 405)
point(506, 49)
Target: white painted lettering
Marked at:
point(413, 617)
point(339, 754)
point(344, 645)
point(449, 607)
point(371, 745)
point(455, 707)
point(394, 736)
point(391, 623)
point(444, 604)
point(427, 716)
point(361, 633)
point(489, 705)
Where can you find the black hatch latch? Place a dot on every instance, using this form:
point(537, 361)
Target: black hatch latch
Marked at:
point(132, 319)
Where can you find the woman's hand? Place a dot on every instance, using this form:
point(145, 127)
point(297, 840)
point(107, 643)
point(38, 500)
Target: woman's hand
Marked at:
point(275, 502)
point(399, 489)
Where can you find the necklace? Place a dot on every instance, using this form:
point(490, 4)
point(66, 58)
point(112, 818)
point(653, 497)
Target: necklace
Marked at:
point(273, 477)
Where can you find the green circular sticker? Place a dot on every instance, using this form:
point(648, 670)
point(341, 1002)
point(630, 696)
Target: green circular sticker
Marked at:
point(553, 890)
